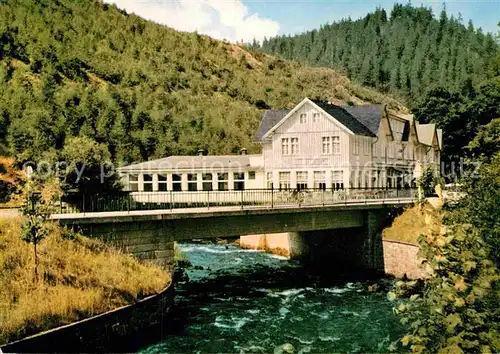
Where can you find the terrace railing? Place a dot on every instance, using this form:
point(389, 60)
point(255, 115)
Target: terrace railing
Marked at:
point(248, 198)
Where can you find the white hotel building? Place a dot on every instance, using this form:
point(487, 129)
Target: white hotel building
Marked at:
point(316, 145)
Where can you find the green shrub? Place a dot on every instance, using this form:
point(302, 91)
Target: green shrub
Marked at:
point(457, 310)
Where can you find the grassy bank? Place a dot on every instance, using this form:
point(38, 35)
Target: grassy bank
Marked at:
point(78, 278)
point(412, 223)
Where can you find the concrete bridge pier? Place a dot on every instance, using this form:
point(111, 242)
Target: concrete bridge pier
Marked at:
point(359, 247)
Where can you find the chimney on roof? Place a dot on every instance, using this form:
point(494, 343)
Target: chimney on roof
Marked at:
point(243, 151)
point(201, 152)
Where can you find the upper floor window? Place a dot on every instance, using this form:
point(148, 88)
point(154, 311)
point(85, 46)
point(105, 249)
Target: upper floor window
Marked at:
point(366, 147)
point(356, 145)
point(336, 144)
point(303, 118)
point(315, 117)
point(327, 145)
point(295, 146)
point(251, 174)
point(285, 148)
point(289, 146)
point(331, 145)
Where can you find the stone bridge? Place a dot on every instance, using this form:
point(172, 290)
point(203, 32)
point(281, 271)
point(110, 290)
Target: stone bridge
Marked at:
point(347, 232)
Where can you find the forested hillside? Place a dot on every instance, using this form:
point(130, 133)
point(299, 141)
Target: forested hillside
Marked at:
point(136, 89)
point(405, 52)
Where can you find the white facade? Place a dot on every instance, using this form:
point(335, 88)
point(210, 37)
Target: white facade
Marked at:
point(327, 154)
point(319, 145)
point(316, 145)
point(194, 174)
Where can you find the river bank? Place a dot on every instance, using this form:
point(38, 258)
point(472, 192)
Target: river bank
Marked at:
point(112, 331)
point(77, 278)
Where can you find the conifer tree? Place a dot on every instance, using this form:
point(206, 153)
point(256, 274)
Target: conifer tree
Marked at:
point(408, 53)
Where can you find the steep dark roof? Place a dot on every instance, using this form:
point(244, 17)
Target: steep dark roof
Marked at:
point(361, 120)
point(269, 119)
point(348, 119)
point(368, 115)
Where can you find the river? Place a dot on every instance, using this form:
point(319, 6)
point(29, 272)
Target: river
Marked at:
point(246, 301)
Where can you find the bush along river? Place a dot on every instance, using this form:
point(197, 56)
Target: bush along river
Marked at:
point(244, 301)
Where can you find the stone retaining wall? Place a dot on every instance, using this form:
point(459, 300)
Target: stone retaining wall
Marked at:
point(146, 241)
point(401, 258)
point(114, 331)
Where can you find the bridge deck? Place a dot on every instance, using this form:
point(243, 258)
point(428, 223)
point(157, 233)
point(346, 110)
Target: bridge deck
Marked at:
point(183, 213)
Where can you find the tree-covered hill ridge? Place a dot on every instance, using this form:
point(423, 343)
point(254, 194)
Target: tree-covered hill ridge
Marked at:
point(140, 90)
point(404, 52)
